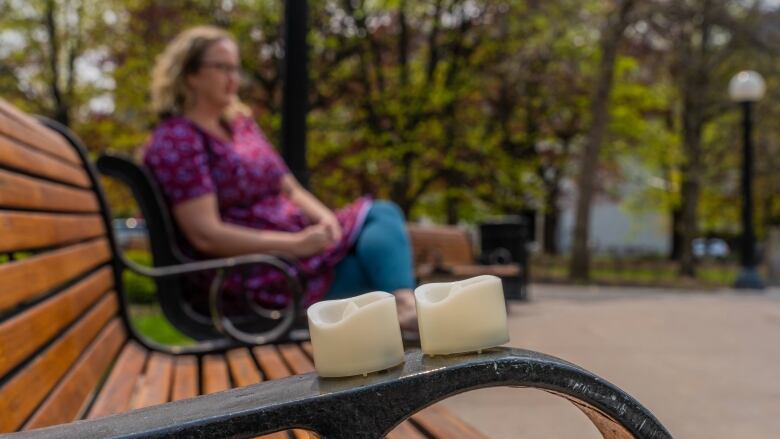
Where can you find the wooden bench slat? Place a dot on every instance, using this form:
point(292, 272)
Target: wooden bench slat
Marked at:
point(185, 377)
point(242, 368)
point(271, 362)
point(214, 374)
point(471, 270)
point(406, 430)
point(438, 421)
point(116, 393)
point(309, 349)
point(69, 399)
point(20, 191)
point(154, 387)
point(24, 391)
point(296, 358)
point(16, 156)
point(23, 127)
point(445, 245)
point(26, 231)
point(22, 334)
point(30, 277)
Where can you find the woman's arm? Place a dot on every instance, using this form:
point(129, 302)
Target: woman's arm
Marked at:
point(199, 220)
point(311, 206)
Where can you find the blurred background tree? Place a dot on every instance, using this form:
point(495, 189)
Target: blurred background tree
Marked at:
point(458, 110)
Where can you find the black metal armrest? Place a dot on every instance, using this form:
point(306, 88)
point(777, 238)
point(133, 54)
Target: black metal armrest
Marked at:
point(222, 323)
point(199, 266)
point(369, 407)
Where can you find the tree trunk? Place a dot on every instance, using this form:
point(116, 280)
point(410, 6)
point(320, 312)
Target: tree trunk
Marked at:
point(695, 83)
point(579, 268)
point(60, 112)
point(451, 207)
point(550, 238)
point(676, 234)
point(691, 181)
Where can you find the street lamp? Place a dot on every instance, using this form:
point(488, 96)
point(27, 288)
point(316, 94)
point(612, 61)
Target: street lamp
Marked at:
point(745, 88)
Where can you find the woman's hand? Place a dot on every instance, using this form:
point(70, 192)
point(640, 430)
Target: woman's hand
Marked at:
point(332, 225)
point(312, 240)
point(311, 206)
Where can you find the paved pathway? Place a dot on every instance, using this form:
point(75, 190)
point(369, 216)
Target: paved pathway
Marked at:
point(707, 364)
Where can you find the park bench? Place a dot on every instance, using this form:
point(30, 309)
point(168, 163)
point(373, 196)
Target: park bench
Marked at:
point(68, 350)
point(446, 253)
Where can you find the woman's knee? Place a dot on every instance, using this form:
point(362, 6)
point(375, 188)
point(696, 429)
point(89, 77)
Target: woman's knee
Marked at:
point(387, 209)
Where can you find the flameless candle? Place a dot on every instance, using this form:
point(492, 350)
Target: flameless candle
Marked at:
point(355, 336)
point(462, 316)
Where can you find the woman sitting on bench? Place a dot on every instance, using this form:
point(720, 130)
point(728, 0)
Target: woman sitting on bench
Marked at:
point(231, 194)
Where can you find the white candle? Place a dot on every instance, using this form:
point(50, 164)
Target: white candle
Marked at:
point(463, 316)
point(355, 336)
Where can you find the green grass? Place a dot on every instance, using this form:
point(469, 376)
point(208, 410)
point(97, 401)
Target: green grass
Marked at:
point(145, 313)
point(638, 272)
point(151, 323)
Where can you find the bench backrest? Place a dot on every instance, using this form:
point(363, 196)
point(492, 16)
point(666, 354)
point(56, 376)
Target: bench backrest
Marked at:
point(443, 246)
point(60, 316)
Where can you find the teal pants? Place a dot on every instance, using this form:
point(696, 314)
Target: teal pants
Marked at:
point(381, 259)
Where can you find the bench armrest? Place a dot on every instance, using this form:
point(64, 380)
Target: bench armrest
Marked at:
point(369, 407)
point(223, 267)
point(210, 264)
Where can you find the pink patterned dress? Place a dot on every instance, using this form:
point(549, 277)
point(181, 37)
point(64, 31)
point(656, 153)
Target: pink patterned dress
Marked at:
point(246, 176)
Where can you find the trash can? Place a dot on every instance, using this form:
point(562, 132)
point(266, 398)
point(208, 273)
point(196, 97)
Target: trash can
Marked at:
point(504, 242)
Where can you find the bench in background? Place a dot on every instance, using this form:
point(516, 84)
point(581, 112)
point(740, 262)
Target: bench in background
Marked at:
point(445, 254)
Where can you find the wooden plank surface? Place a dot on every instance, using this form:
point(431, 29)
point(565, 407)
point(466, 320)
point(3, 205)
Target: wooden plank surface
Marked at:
point(24, 391)
point(242, 367)
point(271, 362)
point(20, 191)
point(185, 377)
point(406, 430)
point(25, 231)
point(445, 245)
point(16, 156)
point(503, 270)
point(23, 127)
point(23, 334)
point(296, 358)
point(25, 279)
point(439, 422)
point(69, 399)
point(116, 393)
point(214, 374)
point(307, 347)
point(154, 387)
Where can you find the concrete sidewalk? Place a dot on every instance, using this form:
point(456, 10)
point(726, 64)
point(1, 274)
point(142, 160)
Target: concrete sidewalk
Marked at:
point(707, 364)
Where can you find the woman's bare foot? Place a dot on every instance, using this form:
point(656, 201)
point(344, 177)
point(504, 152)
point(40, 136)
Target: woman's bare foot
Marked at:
point(407, 309)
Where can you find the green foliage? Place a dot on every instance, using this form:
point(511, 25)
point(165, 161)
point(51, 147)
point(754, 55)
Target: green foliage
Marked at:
point(139, 289)
point(480, 113)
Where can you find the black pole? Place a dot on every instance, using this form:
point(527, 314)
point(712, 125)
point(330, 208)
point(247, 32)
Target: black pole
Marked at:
point(748, 276)
point(295, 88)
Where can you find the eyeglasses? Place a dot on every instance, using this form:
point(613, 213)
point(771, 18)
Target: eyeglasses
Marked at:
point(226, 68)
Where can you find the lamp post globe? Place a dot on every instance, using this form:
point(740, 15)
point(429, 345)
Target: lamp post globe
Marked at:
point(746, 88)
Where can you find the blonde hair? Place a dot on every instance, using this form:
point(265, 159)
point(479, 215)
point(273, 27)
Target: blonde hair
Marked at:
point(180, 58)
